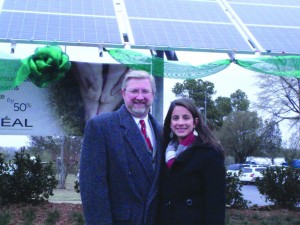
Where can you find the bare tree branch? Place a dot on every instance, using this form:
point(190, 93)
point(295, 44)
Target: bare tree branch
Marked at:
point(279, 97)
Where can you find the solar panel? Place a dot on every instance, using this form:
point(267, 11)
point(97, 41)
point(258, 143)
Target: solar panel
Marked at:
point(204, 25)
point(183, 24)
point(86, 7)
point(79, 21)
point(268, 14)
point(277, 40)
point(274, 24)
point(187, 35)
point(176, 10)
point(270, 2)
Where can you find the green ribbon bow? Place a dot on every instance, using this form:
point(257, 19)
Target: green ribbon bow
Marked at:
point(46, 65)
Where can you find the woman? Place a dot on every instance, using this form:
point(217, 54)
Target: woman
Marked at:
point(193, 175)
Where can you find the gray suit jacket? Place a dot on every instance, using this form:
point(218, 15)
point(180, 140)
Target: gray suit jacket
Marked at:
point(118, 184)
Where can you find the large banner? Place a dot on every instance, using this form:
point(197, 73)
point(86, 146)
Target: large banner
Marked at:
point(62, 108)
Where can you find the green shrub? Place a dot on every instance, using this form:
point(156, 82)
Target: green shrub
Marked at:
point(28, 216)
point(281, 186)
point(25, 180)
point(52, 218)
point(234, 196)
point(5, 218)
point(77, 218)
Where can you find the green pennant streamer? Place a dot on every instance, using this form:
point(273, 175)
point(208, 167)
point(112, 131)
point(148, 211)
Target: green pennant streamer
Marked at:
point(278, 65)
point(288, 66)
point(48, 64)
point(159, 67)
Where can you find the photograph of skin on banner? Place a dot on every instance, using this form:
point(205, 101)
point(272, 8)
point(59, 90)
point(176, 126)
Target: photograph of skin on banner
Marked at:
point(63, 107)
point(99, 93)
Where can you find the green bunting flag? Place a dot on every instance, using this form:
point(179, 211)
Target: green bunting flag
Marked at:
point(50, 64)
point(168, 69)
point(274, 65)
point(288, 66)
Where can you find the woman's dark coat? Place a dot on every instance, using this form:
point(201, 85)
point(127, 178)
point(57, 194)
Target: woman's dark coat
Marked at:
point(193, 190)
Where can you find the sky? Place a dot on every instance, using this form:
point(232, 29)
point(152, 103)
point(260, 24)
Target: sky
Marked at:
point(226, 82)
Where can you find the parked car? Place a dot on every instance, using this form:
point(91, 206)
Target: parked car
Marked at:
point(250, 174)
point(277, 166)
point(258, 165)
point(296, 163)
point(235, 169)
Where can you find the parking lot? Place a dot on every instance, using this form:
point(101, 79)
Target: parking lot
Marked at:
point(251, 193)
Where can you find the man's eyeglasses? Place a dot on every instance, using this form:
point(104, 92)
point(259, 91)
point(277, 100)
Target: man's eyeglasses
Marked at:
point(136, 92)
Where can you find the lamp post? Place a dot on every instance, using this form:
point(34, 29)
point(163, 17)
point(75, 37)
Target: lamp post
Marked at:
point(205, 118)
point(205, 104)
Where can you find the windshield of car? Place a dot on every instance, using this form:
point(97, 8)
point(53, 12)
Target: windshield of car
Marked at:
point(234, 167)
point(259, 169)
point(247, 170)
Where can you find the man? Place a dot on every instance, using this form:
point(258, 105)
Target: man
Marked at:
point(118, 170)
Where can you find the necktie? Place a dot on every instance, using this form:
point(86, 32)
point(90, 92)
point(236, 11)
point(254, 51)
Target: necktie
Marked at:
point(144, 132)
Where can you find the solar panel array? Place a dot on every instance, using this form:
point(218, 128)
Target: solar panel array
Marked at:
point(79, 21)
point(274, 23)
point(183, 24)
point(201, 25)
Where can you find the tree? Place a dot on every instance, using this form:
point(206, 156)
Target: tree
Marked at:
point(280, 97)
point(239, 101)
point(42, 144)
point(223, 106)
point(201, 92)
point(293, 148)
point(65, 151)
point(239, 134)
point(271, 139)
point(221, 109)
point(7, 153)
point(198, 90)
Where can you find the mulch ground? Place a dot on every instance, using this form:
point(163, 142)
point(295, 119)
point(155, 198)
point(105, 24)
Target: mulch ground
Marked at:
point(42, 211)
point(66, 210)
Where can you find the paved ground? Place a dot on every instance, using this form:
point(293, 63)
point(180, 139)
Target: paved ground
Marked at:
point(251, 193)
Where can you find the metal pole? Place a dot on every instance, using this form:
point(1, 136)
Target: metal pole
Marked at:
point(205, 108)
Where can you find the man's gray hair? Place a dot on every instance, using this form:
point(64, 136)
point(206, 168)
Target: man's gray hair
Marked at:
point(138, 74)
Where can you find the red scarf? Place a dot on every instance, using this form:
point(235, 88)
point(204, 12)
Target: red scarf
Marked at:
point(174, 149)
